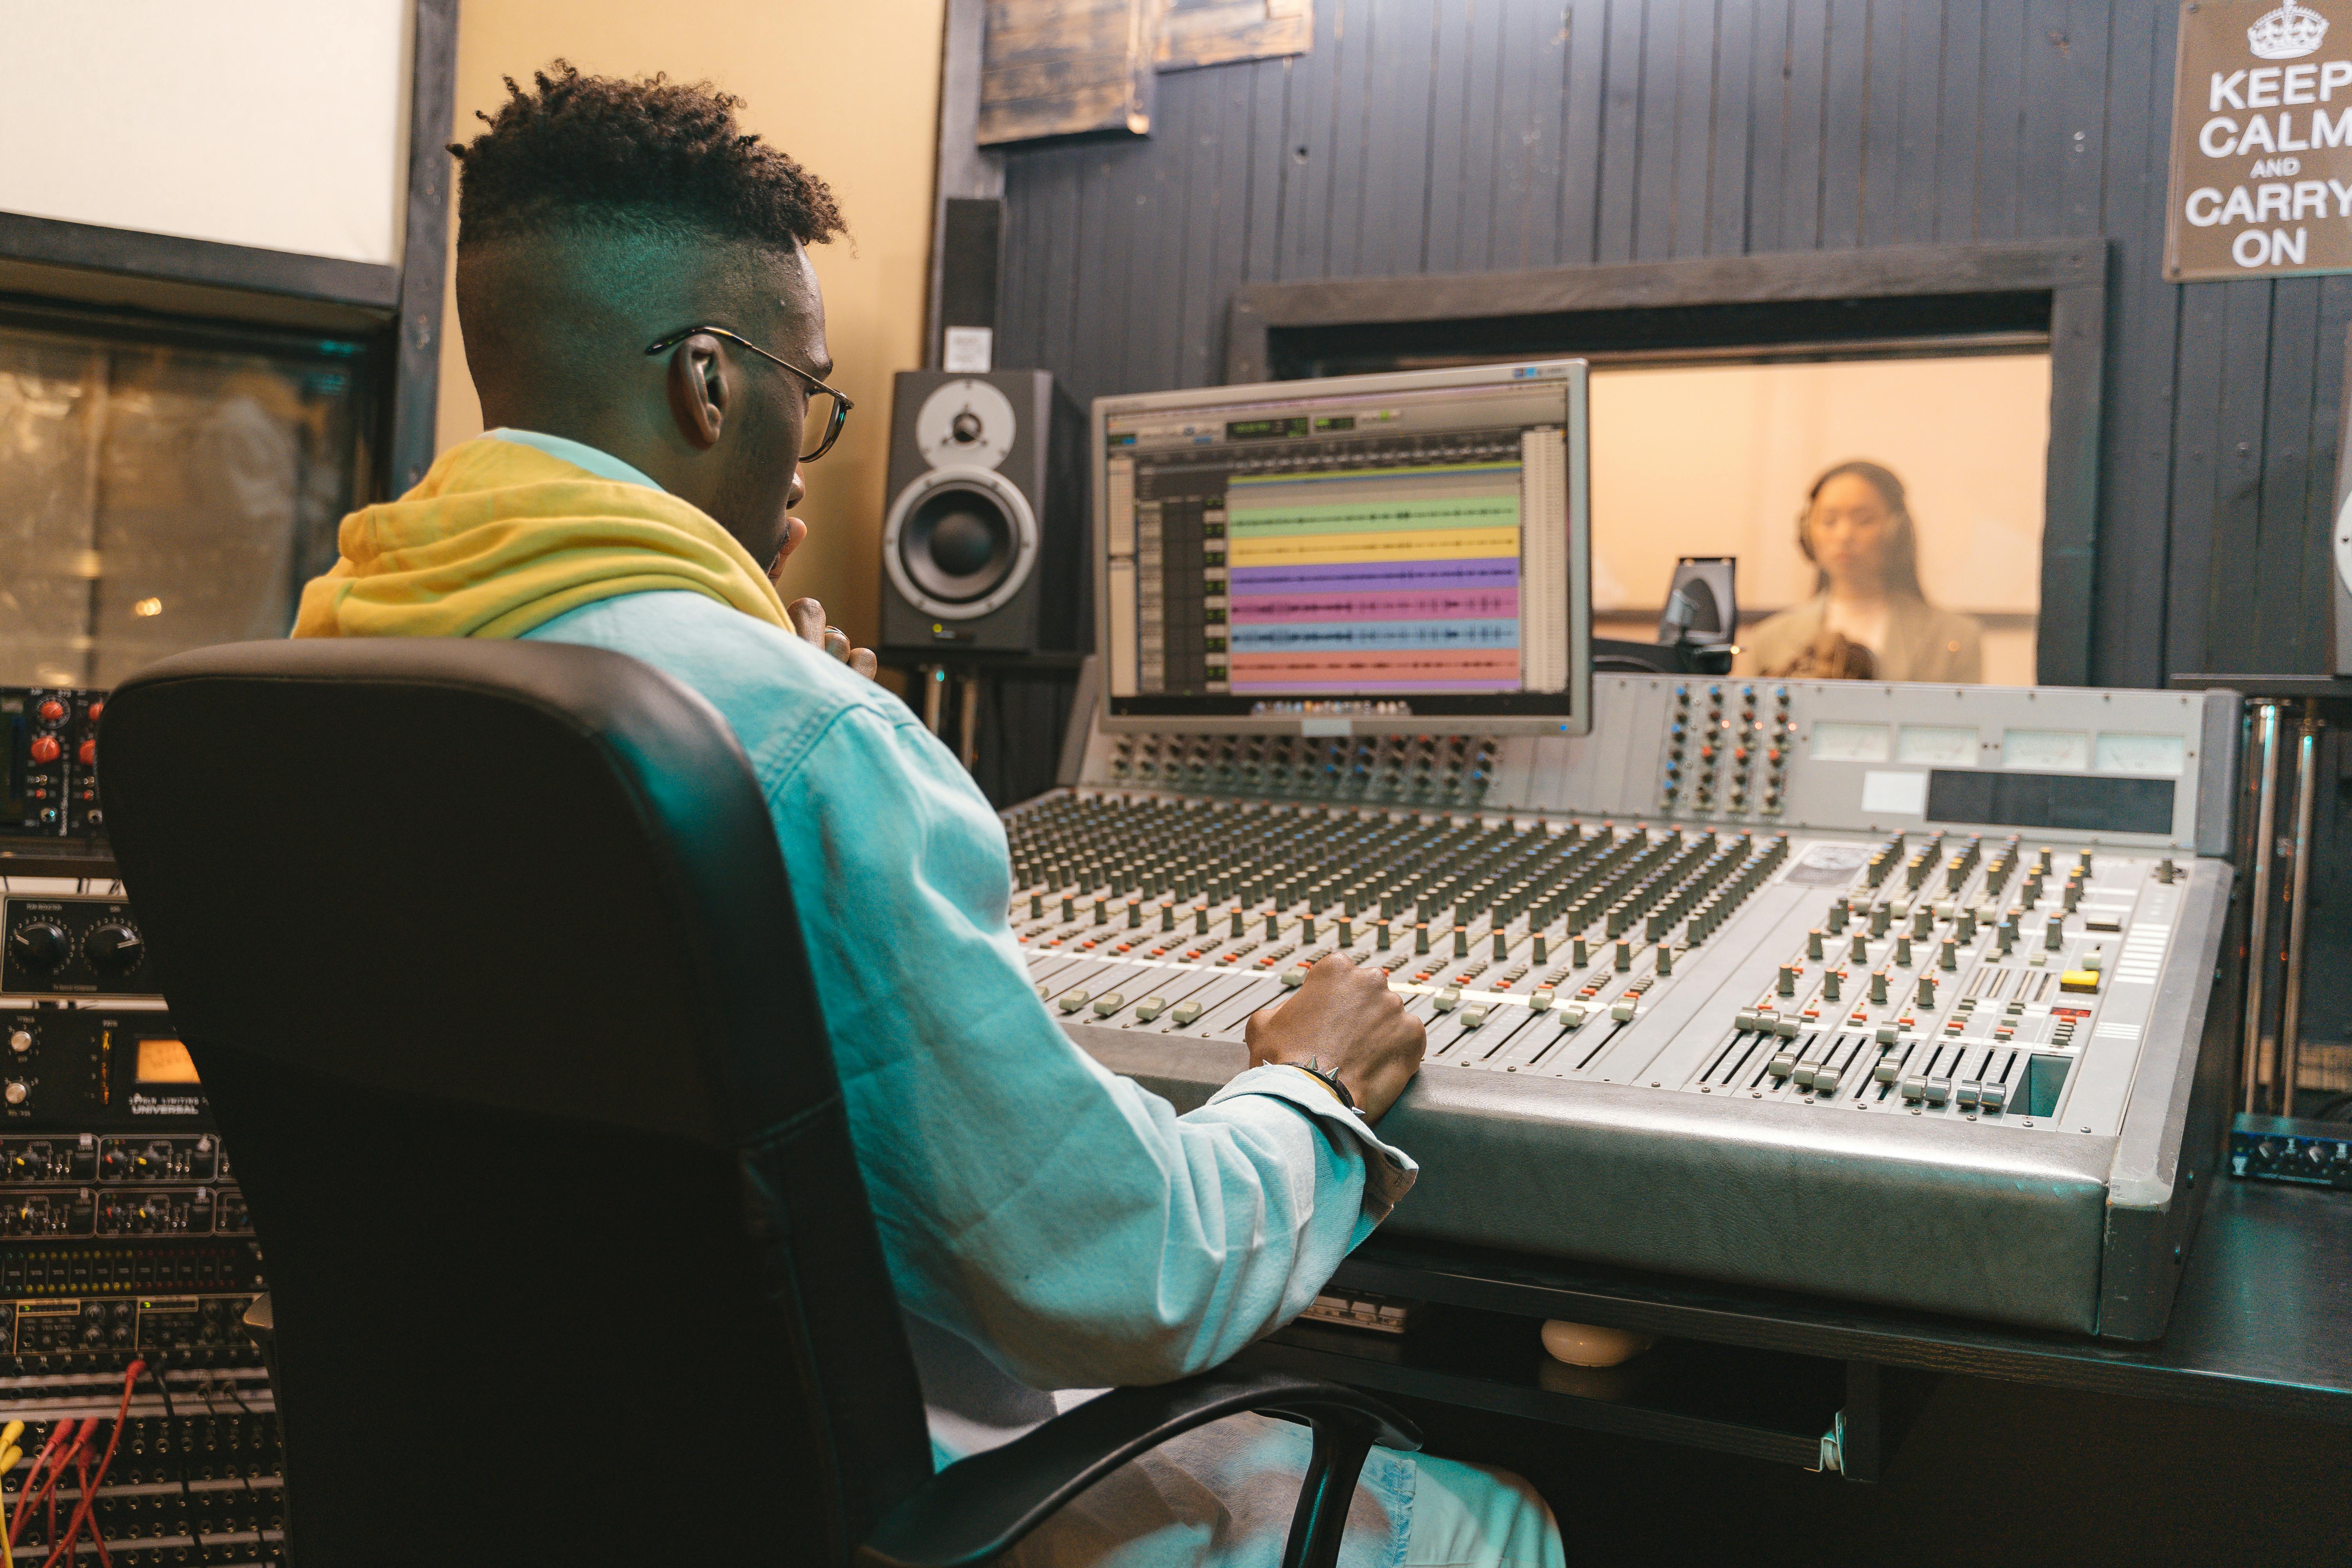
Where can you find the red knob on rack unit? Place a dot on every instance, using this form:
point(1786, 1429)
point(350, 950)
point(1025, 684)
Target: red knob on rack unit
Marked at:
point(96, 709)
point(89, 753)
point(51, 712)
point(44, 749)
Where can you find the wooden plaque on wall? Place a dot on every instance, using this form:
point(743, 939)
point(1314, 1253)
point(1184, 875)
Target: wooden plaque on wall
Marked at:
point(1219, 32)
point(1066, 67)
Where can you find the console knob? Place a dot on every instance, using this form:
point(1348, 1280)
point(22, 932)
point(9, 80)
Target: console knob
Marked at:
point(87, 753)
point(44, 749)
point(39, 945)
point(97, 710)
point(16, 1092)
point(20, 1041)
point(51, 711)
point(114, 948)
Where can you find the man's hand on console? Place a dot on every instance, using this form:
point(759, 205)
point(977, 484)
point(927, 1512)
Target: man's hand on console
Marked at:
point(808, 619)
point(1342, 1020)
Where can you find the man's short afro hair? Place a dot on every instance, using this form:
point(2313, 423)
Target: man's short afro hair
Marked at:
point(649, 156)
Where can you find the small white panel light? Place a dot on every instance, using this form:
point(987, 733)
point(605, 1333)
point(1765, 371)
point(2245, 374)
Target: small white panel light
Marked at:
point(1891, 793)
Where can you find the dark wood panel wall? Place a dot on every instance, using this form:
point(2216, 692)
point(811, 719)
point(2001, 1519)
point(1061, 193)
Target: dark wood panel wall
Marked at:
point(1429, 136)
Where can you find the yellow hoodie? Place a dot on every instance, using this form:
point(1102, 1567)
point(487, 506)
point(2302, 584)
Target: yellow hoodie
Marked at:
point(499, 538)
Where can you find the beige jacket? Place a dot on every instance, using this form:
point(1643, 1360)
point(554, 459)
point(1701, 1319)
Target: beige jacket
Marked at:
point(1922, 643)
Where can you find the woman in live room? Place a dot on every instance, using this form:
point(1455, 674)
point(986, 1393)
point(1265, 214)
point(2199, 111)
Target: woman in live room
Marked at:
point(1868, 618)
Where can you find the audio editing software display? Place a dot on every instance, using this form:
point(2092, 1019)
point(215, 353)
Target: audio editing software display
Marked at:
point(1375, 550)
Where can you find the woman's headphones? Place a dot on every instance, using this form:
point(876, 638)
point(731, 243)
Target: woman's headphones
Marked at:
point(1877, 476)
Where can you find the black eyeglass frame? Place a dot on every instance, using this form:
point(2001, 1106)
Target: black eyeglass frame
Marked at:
point(841, 405)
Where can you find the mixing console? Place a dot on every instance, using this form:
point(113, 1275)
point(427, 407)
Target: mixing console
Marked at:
point(1941, 1063)
point(1949, 976)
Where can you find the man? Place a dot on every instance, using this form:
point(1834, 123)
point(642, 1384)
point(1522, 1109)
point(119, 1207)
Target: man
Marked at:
point(645, 332)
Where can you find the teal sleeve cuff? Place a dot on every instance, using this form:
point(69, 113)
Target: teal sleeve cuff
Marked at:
point(1389, 1171)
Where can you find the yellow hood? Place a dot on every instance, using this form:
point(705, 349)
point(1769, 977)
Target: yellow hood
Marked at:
point(499, 538)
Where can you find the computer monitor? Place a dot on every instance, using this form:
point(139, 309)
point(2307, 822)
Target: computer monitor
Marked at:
point(1367, 554)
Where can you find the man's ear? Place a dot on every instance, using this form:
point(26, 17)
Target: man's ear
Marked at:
point(698, 392)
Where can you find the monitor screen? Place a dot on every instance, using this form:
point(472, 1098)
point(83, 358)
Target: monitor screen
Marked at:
point(1374, 553)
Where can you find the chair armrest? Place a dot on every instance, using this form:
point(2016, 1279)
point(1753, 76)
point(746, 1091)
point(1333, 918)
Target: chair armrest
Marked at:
point(980, 1506)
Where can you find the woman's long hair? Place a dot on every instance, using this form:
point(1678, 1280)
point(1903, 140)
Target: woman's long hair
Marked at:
point(1902, 545)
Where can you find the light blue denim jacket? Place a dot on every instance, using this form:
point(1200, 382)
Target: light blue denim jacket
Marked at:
point(1063, 1220)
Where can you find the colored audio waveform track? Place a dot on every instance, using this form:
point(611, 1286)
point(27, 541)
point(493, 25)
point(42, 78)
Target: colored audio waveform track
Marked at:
point(1471, 670)
point(1505, 470)
point(1376, 577)
point(1373, 516)
point(1415, 545)
point(1369, 637)
point(1424, 604)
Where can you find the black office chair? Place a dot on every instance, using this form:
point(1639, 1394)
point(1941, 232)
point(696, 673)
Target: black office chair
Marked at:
point(486, 958)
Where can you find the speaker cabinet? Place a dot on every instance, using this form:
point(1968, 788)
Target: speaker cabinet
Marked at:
point(983, 544)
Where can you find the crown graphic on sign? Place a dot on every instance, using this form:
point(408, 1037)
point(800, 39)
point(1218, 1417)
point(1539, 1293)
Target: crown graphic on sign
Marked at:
point(2288, 33)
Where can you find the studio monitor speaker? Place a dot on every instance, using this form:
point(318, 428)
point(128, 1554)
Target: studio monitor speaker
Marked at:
point(983, 543)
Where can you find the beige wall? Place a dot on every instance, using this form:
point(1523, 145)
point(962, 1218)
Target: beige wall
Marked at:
point(1715, 460)
point(851, 91)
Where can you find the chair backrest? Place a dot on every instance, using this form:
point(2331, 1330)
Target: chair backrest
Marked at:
point(486, 958)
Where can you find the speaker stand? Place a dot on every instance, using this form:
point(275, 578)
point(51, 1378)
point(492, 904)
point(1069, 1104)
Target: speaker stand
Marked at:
point(935, 690)
point(1003, 714)
point(967, 716)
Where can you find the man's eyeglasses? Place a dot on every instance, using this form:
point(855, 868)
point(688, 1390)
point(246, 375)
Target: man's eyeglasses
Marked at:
point(835, 417)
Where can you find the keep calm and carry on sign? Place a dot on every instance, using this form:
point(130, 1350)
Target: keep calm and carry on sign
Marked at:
point(2261, 141)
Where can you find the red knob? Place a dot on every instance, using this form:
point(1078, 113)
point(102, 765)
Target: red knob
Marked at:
point(89, 753)
point(44, 749)
point(96, 709)
point(52, 712)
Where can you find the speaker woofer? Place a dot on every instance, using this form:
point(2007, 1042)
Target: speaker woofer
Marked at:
point(957, 545)
point(959, 541)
